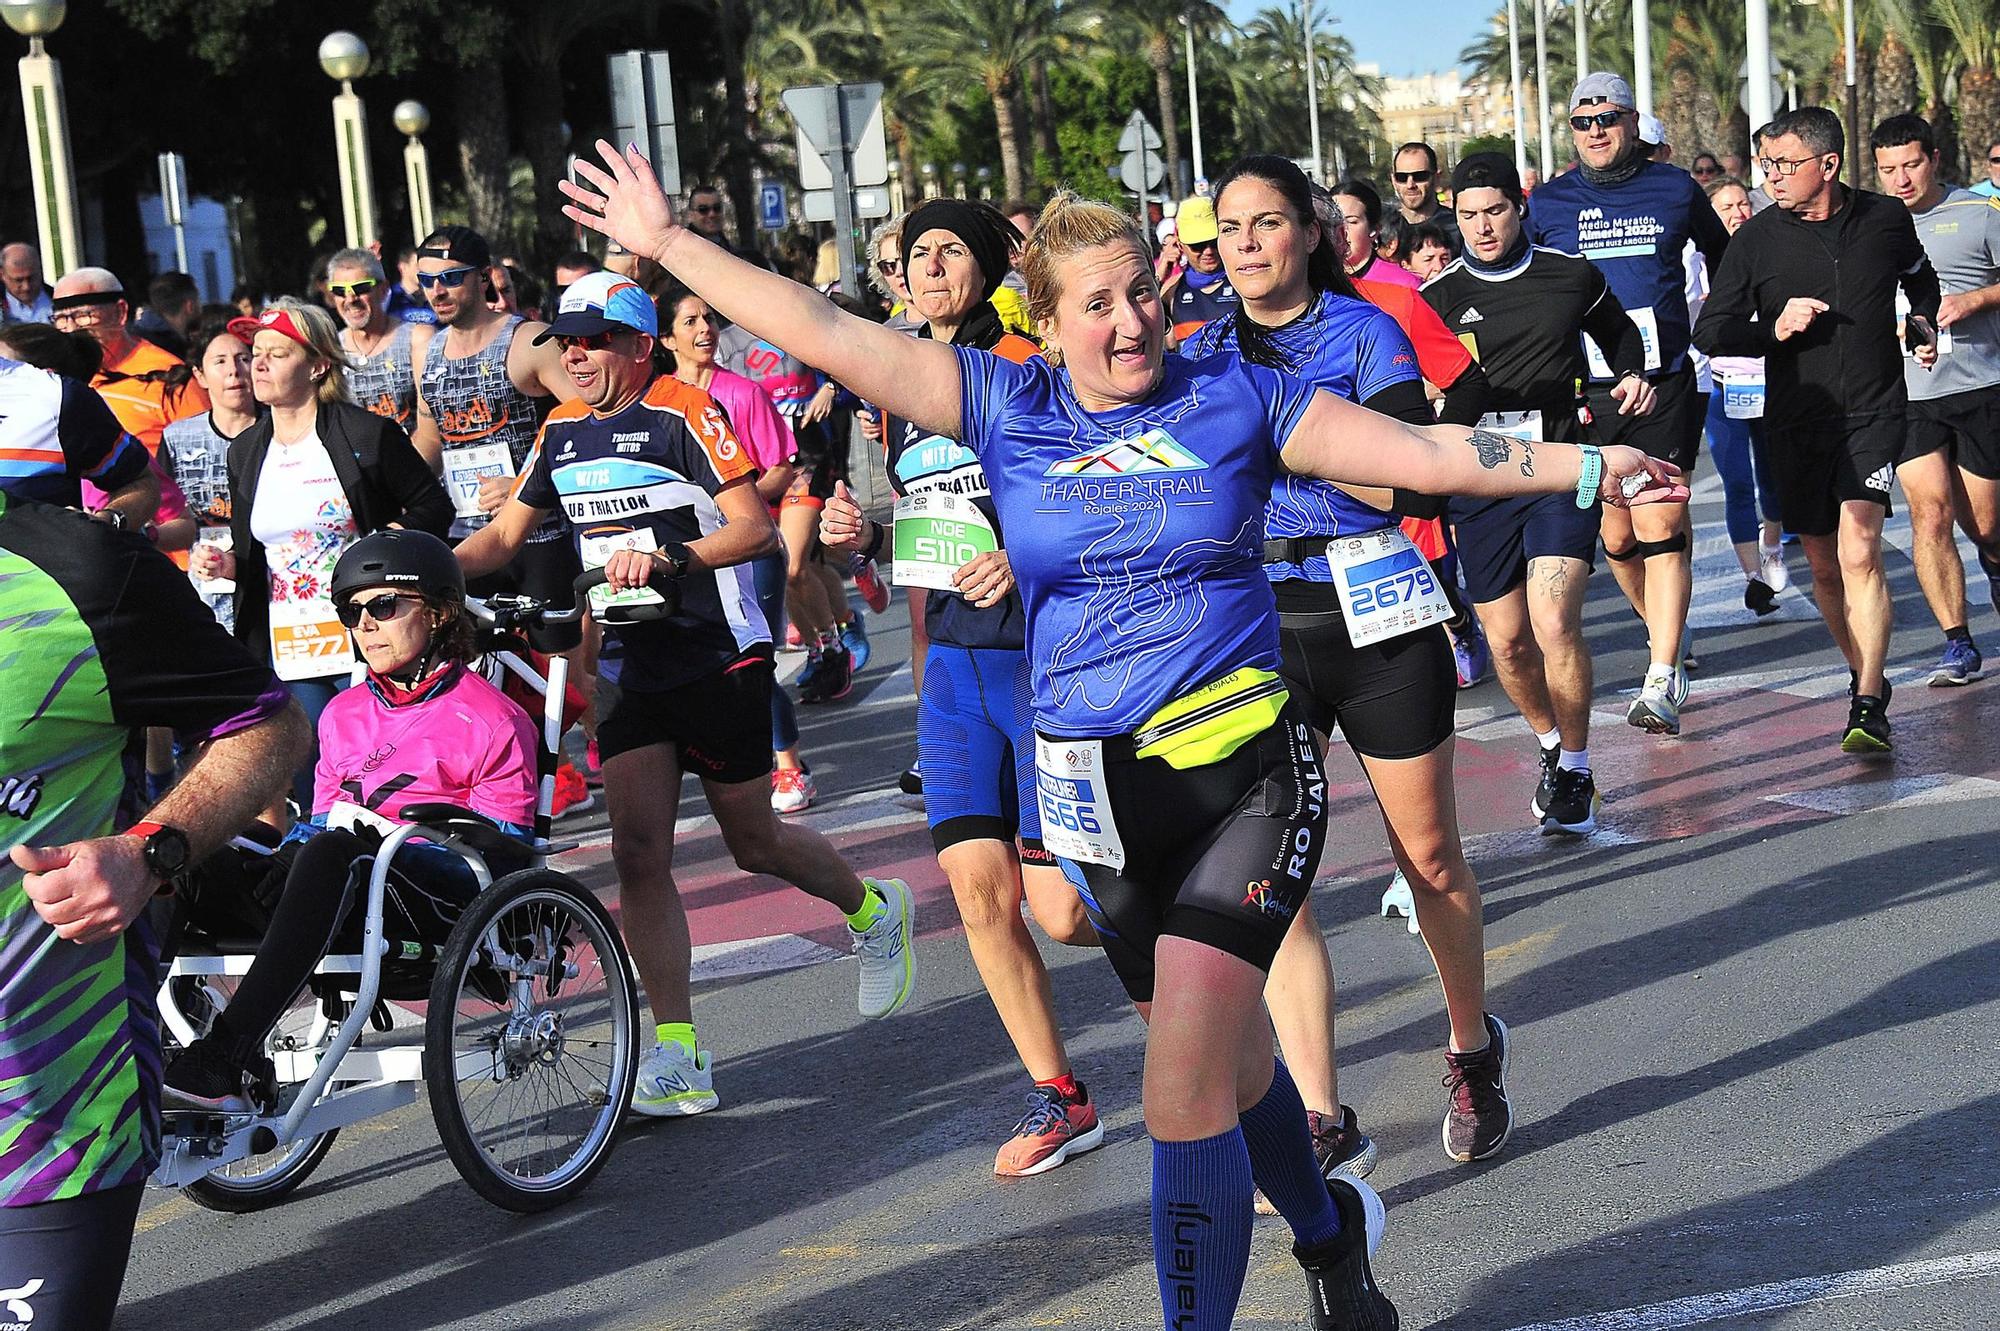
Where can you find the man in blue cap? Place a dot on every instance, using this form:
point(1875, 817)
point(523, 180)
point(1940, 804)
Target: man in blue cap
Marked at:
point(1633, 217)
point(660, 494)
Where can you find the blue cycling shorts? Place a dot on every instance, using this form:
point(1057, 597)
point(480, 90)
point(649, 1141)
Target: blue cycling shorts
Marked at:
point(976, 745)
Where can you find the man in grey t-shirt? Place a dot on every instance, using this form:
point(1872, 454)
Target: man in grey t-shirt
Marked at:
point(1954, 406)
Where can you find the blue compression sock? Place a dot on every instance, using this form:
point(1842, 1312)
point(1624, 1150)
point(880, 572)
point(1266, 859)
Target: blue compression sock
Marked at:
point(1281, 1159)
point(1201, 1229)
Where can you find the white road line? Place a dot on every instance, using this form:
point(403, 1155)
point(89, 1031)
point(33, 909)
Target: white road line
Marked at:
point(1903, 792)
point(1784, 1294)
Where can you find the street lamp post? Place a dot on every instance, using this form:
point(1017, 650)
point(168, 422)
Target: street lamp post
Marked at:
point(958, 180)
point(1514, 77)
point(1312, 86)
point(1642, 55)
point(1582, 39)
point(413, 118)
point(48, 134)
point(1194, 103)
point(986, 182)
point(1542, 89)
point(930, 179)
point(344, 57)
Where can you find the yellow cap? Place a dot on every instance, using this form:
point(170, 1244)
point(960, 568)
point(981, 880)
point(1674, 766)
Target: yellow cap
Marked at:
point(1195, 220)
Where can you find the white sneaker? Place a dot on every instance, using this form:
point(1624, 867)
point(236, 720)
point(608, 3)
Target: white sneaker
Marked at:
point(887, 949)
point(792, 790)
point(1771, 567)
point(1657, 709)
point(673, 1082)
point(1396, 899)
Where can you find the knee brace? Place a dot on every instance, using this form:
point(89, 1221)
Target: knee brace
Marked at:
point(1629, 552)
point(1673, 545)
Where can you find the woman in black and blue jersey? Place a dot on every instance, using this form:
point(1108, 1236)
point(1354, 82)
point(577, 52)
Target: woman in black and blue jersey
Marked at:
point(975, 724)
point(1361, 618)
point(1171, 764)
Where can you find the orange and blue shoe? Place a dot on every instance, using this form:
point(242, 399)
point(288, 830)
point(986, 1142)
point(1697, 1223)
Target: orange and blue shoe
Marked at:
point(1053, 1130)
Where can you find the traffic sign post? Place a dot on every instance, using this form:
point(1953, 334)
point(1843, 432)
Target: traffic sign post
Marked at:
point(642, 111)
point(843, 159)
point(173, 203)
point(1140, 167)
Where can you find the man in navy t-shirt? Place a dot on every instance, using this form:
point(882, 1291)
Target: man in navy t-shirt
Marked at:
point(1633, 218)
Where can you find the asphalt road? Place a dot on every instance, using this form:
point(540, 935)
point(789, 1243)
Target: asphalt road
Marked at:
point(1754, 1064)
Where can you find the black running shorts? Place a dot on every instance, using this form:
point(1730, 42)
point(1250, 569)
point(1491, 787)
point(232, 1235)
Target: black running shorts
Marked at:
point(1394, 698)
point(1967, 423)
point(1671, 431)
point(719, 725)
point(1819, 468)
point(1223, 854)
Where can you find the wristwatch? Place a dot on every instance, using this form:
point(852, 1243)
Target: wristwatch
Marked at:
point(166, 853)
point(116, 519)
point(678, 558)
point(1591, 477)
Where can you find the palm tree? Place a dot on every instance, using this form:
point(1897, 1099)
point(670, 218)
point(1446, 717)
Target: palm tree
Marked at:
point(1155, 28)
point(1268, 85)
point(1933, 60)
point(1974, 26)
point(992, 44)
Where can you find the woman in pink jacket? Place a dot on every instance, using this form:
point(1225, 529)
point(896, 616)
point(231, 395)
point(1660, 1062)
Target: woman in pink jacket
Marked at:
point(425, 729)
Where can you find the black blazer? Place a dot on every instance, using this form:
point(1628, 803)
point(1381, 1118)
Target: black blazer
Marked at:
point(385, 478)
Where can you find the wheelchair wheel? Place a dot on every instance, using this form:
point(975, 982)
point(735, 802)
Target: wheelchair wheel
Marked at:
point(258, 1181)
point(530, 1046)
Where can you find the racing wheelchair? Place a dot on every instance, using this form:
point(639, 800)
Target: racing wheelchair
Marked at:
point(522, 1028)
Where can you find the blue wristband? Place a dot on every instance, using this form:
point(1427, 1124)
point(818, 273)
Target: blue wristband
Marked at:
point(1591, 478)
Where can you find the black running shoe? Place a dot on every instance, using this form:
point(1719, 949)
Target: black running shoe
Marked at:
point(1759, 598)
point(206, 1076)
point(1340, 1147)
point(1854, 687)
point(1343, 1290)
point(834, 679)
point(1572, 806)
point(911, 782)
point(1546, 789)
point(1480, 1117)
point(1867, 726)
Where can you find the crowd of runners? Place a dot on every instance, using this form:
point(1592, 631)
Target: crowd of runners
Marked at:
point(1172, 504)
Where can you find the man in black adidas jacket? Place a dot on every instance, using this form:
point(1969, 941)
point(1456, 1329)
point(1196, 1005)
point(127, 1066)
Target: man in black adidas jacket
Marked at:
point(1810, 285)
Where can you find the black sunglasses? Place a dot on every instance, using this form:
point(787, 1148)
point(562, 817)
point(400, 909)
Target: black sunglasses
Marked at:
point(450, 279)
point(381, 608)
point(1603, 120)
point(1412, 177)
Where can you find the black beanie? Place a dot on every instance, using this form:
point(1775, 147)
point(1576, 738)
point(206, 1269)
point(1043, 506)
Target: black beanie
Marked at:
point(985, 232)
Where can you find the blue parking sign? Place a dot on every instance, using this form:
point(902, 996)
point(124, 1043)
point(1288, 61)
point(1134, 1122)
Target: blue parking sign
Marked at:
point(771, 206)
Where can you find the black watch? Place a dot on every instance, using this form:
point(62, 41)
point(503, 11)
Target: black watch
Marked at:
point(167, 853)
point(679, 558)
point(117, 519)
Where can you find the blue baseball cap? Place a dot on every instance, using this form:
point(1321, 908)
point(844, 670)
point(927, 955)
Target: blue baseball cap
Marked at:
point(600, 302)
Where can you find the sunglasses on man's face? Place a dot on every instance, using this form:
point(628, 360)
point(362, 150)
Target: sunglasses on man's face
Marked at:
point(381, 608)
point(451, 279)
point(1707, 171)
point(351, 289)
point(704, 207)
point(1603, 120)
point(1412, 177)
point(587, 341)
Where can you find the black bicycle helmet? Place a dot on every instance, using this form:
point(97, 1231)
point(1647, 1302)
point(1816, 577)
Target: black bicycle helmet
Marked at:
point(414, 560)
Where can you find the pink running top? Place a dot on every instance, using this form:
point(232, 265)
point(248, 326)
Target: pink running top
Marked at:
point(1380, 269)
point(759, 428)
point(468, 745)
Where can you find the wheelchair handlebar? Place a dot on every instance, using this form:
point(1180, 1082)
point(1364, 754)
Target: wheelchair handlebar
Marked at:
point(507, 611)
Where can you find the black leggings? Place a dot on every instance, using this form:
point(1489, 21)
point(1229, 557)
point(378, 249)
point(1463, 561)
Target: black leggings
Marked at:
point(1223, 854)
point(308, 900)
point(63, 1263)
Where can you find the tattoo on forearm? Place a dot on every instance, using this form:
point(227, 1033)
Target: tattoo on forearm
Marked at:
point(1494, 449)
point(1527, 459)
